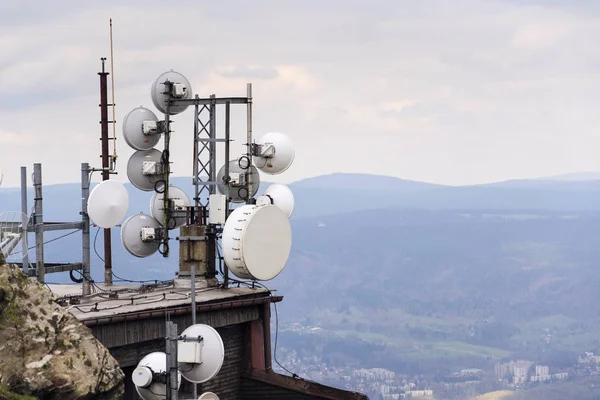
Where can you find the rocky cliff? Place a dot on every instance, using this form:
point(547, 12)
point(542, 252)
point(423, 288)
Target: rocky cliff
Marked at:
point(45, 351)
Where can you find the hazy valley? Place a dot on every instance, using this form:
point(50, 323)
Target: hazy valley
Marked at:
point(420, 279)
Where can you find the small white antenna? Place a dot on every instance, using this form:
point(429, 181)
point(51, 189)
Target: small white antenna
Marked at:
point(274, 153)
point(108, 204)
point(179, 88)
point(140, 129)
point(139, 235)
point(280, 196)
point(149, 377)
point(180, 201)
point(236, 188)
point(200, 353)
point(1, 176)
point(145, 169)
point(208, 396)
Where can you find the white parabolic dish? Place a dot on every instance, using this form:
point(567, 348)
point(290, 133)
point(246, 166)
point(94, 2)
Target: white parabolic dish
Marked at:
point(156, 362)
point(283, 157)
point(156, 206)
point(282, 197)
point(208, 396)
point(132, 129)
point(257, 240)
point(135, 169)
point(160, 98)
point(213, 354)
point(131, 235)
point(108, 204)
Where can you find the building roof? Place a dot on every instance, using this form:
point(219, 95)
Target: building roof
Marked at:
point(108, 302)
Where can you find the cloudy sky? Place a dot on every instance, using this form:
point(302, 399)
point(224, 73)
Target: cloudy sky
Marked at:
point(454, 92)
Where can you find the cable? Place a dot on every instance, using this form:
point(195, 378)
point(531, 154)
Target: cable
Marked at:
point(49, 241)
point(119, 279)
point(276, 338)
point(95, 250)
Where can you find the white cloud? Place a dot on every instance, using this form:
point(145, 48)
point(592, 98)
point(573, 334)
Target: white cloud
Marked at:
point(455, 92)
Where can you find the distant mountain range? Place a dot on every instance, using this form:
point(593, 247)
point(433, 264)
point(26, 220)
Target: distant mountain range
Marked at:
point(406, 263)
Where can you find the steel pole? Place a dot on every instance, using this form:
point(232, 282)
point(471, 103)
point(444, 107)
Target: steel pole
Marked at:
point(193, 295)
point(105, 167)
point(85, 228)
point(249, 182)
point(39, 222)
point(25, 221)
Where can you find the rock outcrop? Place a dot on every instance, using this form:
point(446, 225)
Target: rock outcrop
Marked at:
point(45, 351)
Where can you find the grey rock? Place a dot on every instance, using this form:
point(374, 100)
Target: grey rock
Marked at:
point(45, 351)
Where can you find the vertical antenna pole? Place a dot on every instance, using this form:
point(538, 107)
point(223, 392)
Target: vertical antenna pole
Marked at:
point(227, 142)
point(39, 222)
point(213, 145)
point(112, 85)
point(105, 165)
point(25, 221)
point(167, 171)
point(249, 140)
point(196, 155)
point(85, 228)
point(171, 352)
point(193, 294)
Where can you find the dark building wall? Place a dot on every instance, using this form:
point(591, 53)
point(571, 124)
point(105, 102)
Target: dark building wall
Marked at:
point(252, 390)
point(227, 382)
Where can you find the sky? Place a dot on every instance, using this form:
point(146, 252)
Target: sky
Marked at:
point(454, 92)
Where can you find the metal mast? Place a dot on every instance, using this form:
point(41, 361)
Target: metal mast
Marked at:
point(105, 165)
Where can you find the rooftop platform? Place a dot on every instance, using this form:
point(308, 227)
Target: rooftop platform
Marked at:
point(108, 304)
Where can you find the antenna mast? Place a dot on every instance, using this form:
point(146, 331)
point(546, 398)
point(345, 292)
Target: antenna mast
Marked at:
point(105, 165)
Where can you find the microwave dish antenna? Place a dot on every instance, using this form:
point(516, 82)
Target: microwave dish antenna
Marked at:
point(235, 188)
point(145, 169)
point(139, 235)
point(170, 85)
point(108, 204)
point(179, 202)
point(273, 153)
point(257, 240)
point(150, 377)
point(200, 353)
point(208, 396)
point(141, 129)
point(279, 195)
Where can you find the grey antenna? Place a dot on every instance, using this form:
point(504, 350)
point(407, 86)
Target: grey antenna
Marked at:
point(145, 169)
point(150, 377)
point(179, 203)
point(141, 129)
point(169, 85)
point(236, 187)
point(140, 235)
point(13, 227)
point(1, 176)
point(200, 353)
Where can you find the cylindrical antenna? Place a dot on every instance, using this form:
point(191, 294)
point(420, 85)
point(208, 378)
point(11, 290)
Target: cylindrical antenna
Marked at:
point(112, 84)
